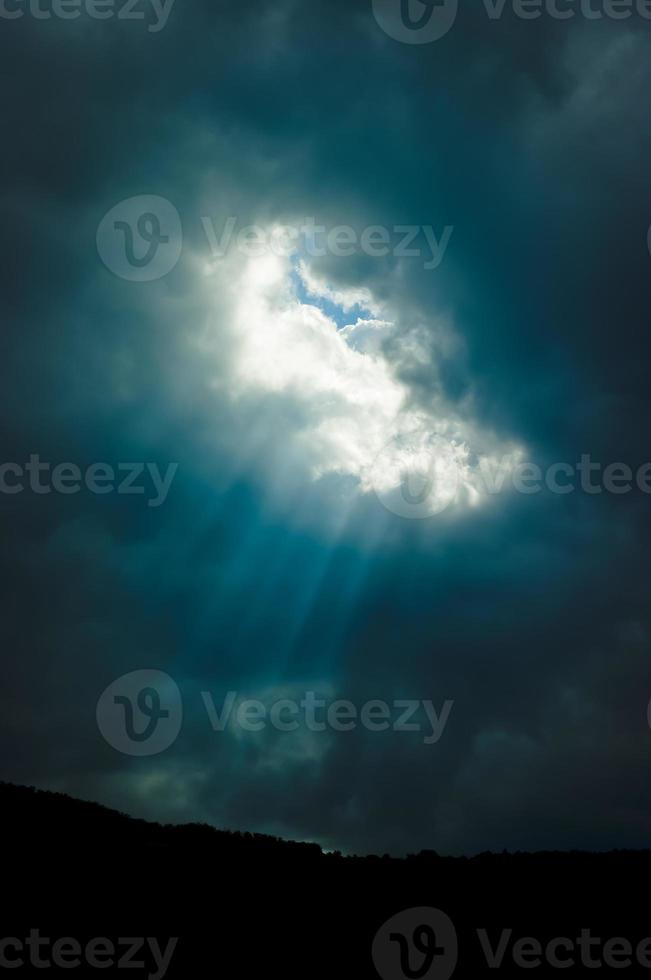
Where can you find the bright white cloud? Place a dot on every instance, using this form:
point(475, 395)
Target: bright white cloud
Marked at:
point(355, 416)
point(346, 299)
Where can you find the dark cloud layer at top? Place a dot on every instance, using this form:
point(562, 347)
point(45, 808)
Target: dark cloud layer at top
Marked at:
point(529, 138)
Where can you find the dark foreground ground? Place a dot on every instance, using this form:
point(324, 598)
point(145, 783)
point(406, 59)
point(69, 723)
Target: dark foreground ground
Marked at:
point(244, 906)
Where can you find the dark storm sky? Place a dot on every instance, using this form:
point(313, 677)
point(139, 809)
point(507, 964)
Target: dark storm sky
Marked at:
point(531, 139)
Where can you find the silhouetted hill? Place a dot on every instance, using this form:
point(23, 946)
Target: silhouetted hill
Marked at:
point(247, 904)
point(49, 819)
